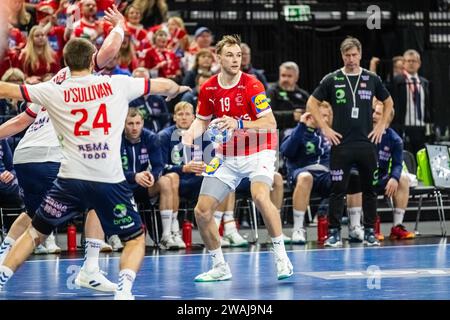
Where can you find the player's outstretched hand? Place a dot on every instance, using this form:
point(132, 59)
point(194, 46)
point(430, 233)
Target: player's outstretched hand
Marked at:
point(113, 16)
point(176, 91)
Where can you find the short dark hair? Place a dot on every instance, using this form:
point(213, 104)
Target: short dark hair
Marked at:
point(78, 54)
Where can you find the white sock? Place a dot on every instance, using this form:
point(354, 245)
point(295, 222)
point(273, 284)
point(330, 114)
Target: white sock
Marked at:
point(398, 216)
point(166, 218)
point(175, 227)
point(299, 217)
point(5, 247)
point(91, 252)
point(126, 279)
point(355, 216)
point(278, 246)
point(229, 223)
point(218, 217)
point(5, 274)
point(217, 256)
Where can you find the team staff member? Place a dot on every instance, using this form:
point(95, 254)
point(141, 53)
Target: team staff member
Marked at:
point(350, 91)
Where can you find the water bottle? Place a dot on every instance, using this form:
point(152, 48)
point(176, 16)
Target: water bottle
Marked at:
point(71, 238)
point(322, 228)
point(187, 233)
point(377, 224)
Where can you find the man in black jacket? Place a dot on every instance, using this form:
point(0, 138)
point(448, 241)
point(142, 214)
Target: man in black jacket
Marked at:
point(413, 110)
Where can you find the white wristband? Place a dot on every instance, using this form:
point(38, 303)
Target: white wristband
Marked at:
point(120, 31)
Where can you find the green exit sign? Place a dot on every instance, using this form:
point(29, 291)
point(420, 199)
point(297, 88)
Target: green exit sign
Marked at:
point(297, 12)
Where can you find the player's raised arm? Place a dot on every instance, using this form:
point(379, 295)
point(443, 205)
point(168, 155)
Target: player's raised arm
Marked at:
point(167, 88)
point(113, 41)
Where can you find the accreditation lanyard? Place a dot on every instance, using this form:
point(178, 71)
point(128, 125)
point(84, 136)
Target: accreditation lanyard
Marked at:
point(355, 109)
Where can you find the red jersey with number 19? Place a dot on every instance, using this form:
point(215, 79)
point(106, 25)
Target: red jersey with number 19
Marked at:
point(246, 100)
point(88, 114)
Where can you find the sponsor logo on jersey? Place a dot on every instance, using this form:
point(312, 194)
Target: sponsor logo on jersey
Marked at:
point(261, 102)
point(210, 88)
point(340, 96)
point(120, 210)
point(363, 85)
point(337, 78)
point(339, 85)
point(365, 78)
point(213, 166)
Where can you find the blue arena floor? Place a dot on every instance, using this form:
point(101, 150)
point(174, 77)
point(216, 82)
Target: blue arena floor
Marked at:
point(393, 271)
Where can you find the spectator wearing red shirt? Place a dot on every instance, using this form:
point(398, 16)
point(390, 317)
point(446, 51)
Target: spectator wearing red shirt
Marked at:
point(16, 39)
point(161, 60)
point(127, 57)
point(88, 26)
point(139, 36)
point(38, 59)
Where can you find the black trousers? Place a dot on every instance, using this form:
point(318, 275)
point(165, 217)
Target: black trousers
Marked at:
point(363, 156)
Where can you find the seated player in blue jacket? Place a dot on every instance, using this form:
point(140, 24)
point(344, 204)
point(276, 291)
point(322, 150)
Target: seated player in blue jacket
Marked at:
point(307, 154)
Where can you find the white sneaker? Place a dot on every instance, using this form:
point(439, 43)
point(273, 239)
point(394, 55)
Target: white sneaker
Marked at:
point(40, 249)
point(299, 236)
point(167, 243)
point(356, 233)
point(115, 243)
point(284, 267)
point(235, 239)
point(50, 244)
point(179, 243)
point(122, 295)
point(94, 280)
point(220, 272)
point(104, 247)
point(224, 243)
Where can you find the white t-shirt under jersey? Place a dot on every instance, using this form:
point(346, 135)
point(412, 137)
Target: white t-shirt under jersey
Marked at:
point(39, 144)
point(88, 114)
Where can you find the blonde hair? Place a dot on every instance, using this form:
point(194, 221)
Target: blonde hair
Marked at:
point(178, 21)
point(350, 42)
point(31, 57)
point(228, 40)
point(183, 105)
point(13, 73)
point(326, 105)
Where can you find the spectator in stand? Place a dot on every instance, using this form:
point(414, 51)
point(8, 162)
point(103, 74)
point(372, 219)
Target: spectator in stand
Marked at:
point(38, 59)
point(192, 96)
point(398, 64)
point(178, 37)
point(113, 68)
point(286, 95)
point(203, 39)
point(153, 108)
point(203, 63)
point(19, 16)
point(16, 39)
point(88, 26)
point(57, 35)
point(139, 36)
point(9, 60)
point(10, 106)
point(247, 67)
point(127, 59)
point(160, 60)
point(154, 12)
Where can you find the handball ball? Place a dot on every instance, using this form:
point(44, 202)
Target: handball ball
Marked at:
point(218, 136)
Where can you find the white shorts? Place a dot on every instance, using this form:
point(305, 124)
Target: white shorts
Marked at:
point(259, 167)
